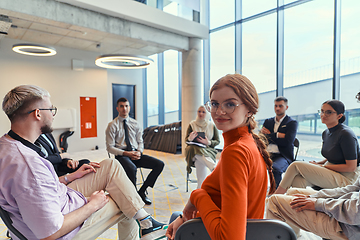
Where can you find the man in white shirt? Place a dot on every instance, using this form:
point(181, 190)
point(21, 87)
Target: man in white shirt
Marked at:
point(124, 140)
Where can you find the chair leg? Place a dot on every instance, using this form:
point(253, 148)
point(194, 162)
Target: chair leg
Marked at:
point(187, 181)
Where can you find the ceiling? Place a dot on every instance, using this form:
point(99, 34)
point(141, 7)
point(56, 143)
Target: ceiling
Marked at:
point(31, 29)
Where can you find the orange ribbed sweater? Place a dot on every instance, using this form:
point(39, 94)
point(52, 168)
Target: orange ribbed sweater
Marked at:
point(235, 190)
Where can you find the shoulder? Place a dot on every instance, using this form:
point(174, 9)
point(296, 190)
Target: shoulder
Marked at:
point(345, 131)
point(114, 124)
point(241, 148)
point(290, 119)
point(24, 165)
point(134, 123)
point(269, 121)
point(290, 122)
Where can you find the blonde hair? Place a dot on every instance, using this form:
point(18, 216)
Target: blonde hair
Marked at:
point(247, 93)
point(17, 101)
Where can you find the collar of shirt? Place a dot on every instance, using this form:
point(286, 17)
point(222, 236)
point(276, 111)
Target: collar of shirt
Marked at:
point(28, 144)
point(333, 129)
point(277, 123)
point(281, 119)
point(122, 119)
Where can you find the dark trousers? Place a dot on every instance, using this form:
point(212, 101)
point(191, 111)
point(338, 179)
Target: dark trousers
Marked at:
point(280, 164)
point(145, 161)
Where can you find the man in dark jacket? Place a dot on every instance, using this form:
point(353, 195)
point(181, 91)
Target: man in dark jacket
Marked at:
point(62, 164)
point(280, 132)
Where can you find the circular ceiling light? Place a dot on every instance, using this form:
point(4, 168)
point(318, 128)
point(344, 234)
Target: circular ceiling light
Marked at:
point(34, 49)
point(116, 61)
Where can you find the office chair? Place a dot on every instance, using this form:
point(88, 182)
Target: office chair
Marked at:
point(297, 146)
point(8, 222)
point(256, 229)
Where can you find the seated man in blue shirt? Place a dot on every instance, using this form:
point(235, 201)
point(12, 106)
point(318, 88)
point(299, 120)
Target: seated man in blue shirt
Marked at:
point(75, 206)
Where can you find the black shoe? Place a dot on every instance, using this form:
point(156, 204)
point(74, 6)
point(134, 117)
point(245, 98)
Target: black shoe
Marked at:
point(145, 199)
point(151, 229)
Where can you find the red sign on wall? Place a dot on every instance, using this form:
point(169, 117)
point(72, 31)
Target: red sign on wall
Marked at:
point(88, 117)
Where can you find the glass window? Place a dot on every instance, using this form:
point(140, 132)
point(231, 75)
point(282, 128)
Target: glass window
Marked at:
point(181, 8)
point(259, 60)
point(171, 7)
point(221, 12)
point(251, 7)
point(171, 86)
point(350, 61)
point(222, 53)
point(152, 92)
point(308, 56)
point(289, 1)
point(152, 3)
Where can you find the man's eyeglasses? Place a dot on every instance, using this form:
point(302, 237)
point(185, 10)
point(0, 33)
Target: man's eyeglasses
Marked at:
point(326, 113)
point(228, 106)
point(53, 110)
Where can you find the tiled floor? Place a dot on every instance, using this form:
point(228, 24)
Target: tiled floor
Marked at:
point(168, 195)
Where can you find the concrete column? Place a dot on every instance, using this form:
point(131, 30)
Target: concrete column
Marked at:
point(191, 97)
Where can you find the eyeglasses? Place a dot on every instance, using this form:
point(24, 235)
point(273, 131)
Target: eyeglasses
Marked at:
point(53, 110)
point(227, 106)
point(327, 113)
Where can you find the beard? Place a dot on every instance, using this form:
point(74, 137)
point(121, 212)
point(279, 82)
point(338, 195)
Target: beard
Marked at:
point(46, 129)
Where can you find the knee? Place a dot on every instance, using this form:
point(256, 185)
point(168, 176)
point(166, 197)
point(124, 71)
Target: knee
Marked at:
point(111, 163)
point(158, 164)
point(270, 201)
point(161, 164)
point(292, 191)
point(108, 162)
point(297, 164)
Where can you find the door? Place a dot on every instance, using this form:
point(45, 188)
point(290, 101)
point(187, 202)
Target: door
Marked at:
point(126, 91)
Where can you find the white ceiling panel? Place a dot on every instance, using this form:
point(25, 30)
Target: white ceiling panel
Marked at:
point(49, 29)
point(16, 33)
point(41, 38)
point(74, 43)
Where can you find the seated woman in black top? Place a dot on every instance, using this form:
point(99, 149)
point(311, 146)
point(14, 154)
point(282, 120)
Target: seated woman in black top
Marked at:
point(340, 149)
point(61, 163)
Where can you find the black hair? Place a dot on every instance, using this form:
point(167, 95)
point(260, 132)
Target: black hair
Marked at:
point(122, 99)
point(358, 96)
point(281, 98)
point(339, 108)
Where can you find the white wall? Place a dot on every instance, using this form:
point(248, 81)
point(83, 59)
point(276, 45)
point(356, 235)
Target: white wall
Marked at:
point(65, 86)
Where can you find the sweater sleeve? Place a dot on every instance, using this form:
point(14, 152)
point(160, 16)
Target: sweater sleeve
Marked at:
point(343, 204)
point(228, 221)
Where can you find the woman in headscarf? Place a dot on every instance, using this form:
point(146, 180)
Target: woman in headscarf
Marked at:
point(201, 157)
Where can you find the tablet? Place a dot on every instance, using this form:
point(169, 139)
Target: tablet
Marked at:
point(200, 134)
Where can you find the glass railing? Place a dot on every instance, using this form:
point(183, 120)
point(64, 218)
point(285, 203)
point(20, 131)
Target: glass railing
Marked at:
point(182, 8)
